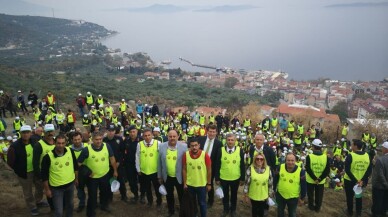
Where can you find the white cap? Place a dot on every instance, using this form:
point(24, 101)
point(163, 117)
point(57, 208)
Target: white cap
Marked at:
point(303, 158)
point(92, 106)
point(79, 94)
point(291, 142)
point(49, 127)
point(17, 118)
point(1, 91)
point(25, 128)
point(343, 139)
point(317, 142)
point(9, 138)
point(157, 129)
point(15, 136)
point(14, 140)
point(1, 138)
point(85, 115)
point(19, 91)
point(88, 93)
point(156, 115)
point(385, 145)
point(123, 100)
point(99, 95)
point(145, 105)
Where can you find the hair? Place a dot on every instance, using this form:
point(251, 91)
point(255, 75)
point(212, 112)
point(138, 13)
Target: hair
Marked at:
point(358, 143)
point(290, 153)
point(97, 133)
point(147, 130)
point(212, 127)
point(74, 134)
point(194, 139)
point(264, 162)
point(230, 135)
point(60, 136)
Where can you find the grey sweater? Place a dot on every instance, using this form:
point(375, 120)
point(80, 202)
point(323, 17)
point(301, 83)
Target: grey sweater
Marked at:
point(380, 173)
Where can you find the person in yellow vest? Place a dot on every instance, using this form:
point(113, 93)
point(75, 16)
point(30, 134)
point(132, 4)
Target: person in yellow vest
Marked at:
point(41, 148)
point(51, 100)
point(89, 100)
point(77, 145)
point(230, 173)
point(20, 155)
point(202, 130)
point(291, 129)
point(317, 169)
point(357, 170)
point(59, 173)
point(197, 174)
point(298, 140)
point(258, 185)
point(49, 118)
point(211, 118)
point(202, 119)
point(147, 155)
point(170, 168)
point(345, 130)
point(312, 133)
point(97, 157)
point(17, 124)
point(300, 128)
point(109, 109)
point(123, 106)
point(366, 139)
point(70, 119)
point(274, 124)
point(60, 120)
point(291, 186)
point(247, 122)
point(37, 113)
point(266, 124)
point(99, 101)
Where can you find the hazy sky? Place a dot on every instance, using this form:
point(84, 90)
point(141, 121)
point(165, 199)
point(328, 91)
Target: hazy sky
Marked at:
point(305, 38)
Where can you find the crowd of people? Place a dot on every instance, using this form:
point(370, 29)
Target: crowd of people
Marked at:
point(277, 161)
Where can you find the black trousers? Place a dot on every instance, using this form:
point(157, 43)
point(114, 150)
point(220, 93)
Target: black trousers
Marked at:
point(315, 196)
point(233, 186)
point(121, 179)
point(210, 194)
point(349, 197)
point(258, 208)
point(170, 183)
point(132, 177)
point(145, 187)
point(93, 185)
point(380, 202)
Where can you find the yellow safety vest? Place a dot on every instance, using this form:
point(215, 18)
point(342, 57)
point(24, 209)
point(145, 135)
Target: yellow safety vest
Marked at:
point(258, 187)
point(196, 170)
point(171, 158)
point(50, 100)
point(100, 101)
point(289, 183)
point(70, 119)
point(60, 118)
point(98, 161)
point(312, 133)
point(297, 139)
point(201, 120)
point(344, 131)
point(61, 170)
point(290, 127)
point(123, 107)
point(149, 158)
point(359, 165)
point(85, 122)
point(274, 122)
point(37, 114)
point(373, 141)
point(46, 148)
point(17, 124)
point(29, 152)
point(301, 130)
point(365, 137)
point(212, 119)
point(317, 165)
point(247, 122)
point(115, 120)
point(202, 131)
point(77, 153)
point(89, 99)
point(110, 110)
point(337, 151)
point(230, 165)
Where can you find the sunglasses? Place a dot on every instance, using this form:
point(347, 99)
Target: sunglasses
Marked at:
point(260, 159)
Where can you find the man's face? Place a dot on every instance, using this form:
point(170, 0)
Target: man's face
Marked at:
point(133, 134)
point(147, 136)
point(259, 140)
point(290, 161)
point(111, 133)
point(156, 133)
point(194, 146)
point(25, 135)
point(172, 137)
point(211, 133)
point(38, 131)
point(77, 140)
point(97, 141)
point(49, 134)
point(60, 144)
point(230, 141)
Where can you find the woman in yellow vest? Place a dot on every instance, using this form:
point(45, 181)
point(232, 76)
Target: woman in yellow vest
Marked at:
point(258, 184)
point(291, 186)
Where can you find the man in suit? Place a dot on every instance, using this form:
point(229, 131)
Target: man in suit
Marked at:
point(267, 151)
point(212, 146)
point(170, 168)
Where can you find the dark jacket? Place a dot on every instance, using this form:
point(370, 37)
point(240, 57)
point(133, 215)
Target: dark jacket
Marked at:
point(188, 206)
point(17, 158)
point(217, 145)
point(269, 156)
point(380, 173)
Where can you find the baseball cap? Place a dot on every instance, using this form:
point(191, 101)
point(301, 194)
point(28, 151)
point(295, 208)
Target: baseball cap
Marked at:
point(132, 127)
point(17, 117)
point(9, 138)
point(25, 128)
point(85, 115)
point(1, 138)
point(88, 93)
point(49, 127)
point(79, 94)
point(122, 100)
point(111, 127)
point(157, 129)
point(385, 145)
point(317, 142)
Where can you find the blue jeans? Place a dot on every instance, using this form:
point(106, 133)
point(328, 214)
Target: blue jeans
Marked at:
point(291, 203)
point(63, 196)
point(200, 194)
point(81, 196)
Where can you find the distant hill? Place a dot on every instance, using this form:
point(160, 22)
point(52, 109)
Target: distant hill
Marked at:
point(34, 31)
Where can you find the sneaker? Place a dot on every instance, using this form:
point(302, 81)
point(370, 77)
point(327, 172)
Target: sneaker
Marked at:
point(34, 212)
point(42, 204)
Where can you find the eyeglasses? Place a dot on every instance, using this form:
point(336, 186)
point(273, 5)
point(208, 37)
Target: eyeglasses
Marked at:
point(260, 159)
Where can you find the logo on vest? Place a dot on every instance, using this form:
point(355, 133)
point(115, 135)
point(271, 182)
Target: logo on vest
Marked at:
point(290, 181)
point(234, 161)
point(67, 163)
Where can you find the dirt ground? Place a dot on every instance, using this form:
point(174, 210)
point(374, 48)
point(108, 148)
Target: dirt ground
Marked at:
point(12, 203)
